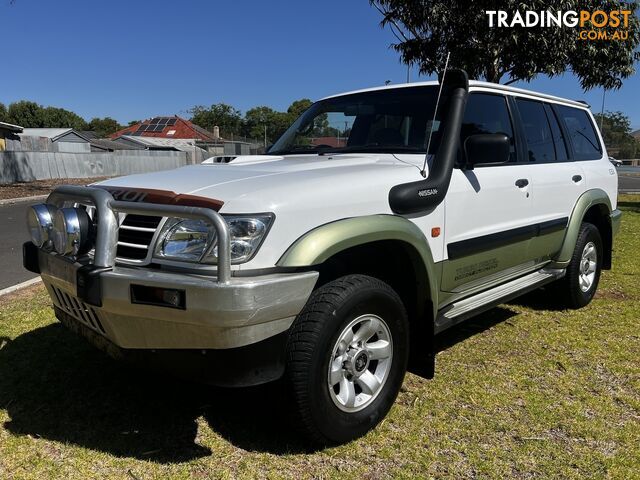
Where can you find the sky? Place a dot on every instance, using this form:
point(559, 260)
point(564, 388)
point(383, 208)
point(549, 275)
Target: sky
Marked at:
point(132, 60)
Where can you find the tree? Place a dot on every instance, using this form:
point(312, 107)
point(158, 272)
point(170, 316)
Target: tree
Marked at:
point(103, 127)
point(4, 115)
point(53, 117)
point(297, 108)
point(617, 134)
point(257, 118)
point(26, 114)
point(221, 115)
point(31, 115)
point(427, 29)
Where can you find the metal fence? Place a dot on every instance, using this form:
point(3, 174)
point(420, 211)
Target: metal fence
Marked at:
point(29, 166)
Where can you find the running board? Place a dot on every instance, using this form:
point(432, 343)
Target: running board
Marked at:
point(468, 307)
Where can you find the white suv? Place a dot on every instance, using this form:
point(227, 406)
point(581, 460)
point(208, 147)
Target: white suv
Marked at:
point(379, 219)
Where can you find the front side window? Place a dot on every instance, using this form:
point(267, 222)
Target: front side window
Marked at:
point(537, 131)
point(582, 133)
point(486, 113)
point(394, 120)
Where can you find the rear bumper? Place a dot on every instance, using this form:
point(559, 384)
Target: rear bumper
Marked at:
point(241, 312)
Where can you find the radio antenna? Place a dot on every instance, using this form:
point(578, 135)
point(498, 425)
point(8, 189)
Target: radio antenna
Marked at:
point(433, 122)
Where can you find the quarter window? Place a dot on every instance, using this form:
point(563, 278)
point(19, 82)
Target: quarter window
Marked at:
point(582, 134)
point(537, 131)
point(487, 113)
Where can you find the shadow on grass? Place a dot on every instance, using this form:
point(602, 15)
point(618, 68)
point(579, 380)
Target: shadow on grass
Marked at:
point(630, 206)
point(56, 386)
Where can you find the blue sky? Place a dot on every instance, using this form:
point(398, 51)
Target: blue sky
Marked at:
point(136, 59)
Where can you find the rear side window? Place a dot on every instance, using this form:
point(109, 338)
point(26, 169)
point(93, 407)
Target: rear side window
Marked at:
point(487, 113)
point(558, 138)
point(581, 133)
point(537, 131)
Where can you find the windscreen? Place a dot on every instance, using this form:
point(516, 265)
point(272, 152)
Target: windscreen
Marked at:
point(395, 120)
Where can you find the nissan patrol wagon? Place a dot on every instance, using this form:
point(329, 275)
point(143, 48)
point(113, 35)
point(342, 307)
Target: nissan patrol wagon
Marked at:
point(379, 219)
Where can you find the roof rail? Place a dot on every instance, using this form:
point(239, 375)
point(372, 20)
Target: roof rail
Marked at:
point(584, 103)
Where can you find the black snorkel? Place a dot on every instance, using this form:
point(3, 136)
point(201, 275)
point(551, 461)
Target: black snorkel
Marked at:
point(422, 195)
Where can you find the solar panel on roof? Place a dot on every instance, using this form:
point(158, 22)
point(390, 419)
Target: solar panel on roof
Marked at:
point(159, 128)
point(141, 128)
point(172, 121)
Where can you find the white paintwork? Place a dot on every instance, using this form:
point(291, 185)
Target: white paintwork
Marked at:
point(306, 191)
point(303, 191)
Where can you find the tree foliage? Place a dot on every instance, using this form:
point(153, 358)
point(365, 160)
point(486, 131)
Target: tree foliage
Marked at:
point(220, 114)
point(231, 121)
point(257, 118)
point(103, 127)
point(617, 133)
point(4, 115)
point(32, 115)
point(427, 29)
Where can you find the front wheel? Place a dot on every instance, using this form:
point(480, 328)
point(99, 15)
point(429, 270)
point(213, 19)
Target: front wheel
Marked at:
point(346, 358)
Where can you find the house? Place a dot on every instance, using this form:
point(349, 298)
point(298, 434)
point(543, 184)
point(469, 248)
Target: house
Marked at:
point(8, 133)
point(166, 127)
point(63, 140)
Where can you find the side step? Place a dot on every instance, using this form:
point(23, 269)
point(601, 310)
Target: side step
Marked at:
point(470, 306)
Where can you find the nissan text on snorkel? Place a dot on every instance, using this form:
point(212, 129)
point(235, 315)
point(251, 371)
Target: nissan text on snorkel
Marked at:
point(379, 219)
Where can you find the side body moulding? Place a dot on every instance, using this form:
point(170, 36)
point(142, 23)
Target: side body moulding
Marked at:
point(321, 243)
point(587, 200)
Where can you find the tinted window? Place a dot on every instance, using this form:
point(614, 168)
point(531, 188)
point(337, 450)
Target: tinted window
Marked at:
point(537, 131)
point(487, 113)
point(581, 133)
point(558, 137)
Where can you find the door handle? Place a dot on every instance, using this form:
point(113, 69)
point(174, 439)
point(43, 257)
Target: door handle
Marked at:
point(576, 178)
point(522, 182)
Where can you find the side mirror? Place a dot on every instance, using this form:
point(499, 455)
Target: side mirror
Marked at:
point(486, 149)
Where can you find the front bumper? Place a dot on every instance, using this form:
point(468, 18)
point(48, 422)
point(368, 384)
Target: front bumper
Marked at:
point(243, 311)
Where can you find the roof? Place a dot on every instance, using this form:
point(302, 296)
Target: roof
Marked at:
point(166, 127)
point(183, 144)
point(52, 133)
point(107, 144)
point(11, 127)
point(472, 83)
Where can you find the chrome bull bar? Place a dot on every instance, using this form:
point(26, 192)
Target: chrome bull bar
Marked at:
point(107, 222)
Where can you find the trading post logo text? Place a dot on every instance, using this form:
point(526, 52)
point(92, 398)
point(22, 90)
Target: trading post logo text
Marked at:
point(596, 25)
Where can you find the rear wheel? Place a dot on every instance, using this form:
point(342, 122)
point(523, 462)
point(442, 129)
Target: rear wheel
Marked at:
point(346, 358)
point(579, 285)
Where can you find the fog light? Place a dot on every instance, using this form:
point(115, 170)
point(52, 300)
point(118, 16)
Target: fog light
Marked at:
point(160, 297)
point(72, 231)
point(40, 224)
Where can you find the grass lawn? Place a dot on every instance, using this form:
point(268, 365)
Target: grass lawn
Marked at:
point(520, 391)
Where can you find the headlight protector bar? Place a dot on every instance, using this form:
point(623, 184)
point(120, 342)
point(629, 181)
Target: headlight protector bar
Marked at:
point(107, 223)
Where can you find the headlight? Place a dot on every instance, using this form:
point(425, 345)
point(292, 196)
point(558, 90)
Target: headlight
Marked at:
point(184, 240)
point(40, 224)
point(195, 240)
point(72, 231)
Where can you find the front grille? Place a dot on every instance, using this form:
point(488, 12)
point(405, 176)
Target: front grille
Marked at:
point(135, 236)
point(77, 309)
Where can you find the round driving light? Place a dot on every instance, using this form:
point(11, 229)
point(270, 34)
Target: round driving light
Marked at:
point(72, 229)
point(40, 223)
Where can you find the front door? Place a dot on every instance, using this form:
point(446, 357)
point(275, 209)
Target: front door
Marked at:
point(488, 226)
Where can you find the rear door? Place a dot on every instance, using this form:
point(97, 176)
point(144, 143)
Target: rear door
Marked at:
point(487, 209)
point(557, 182)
